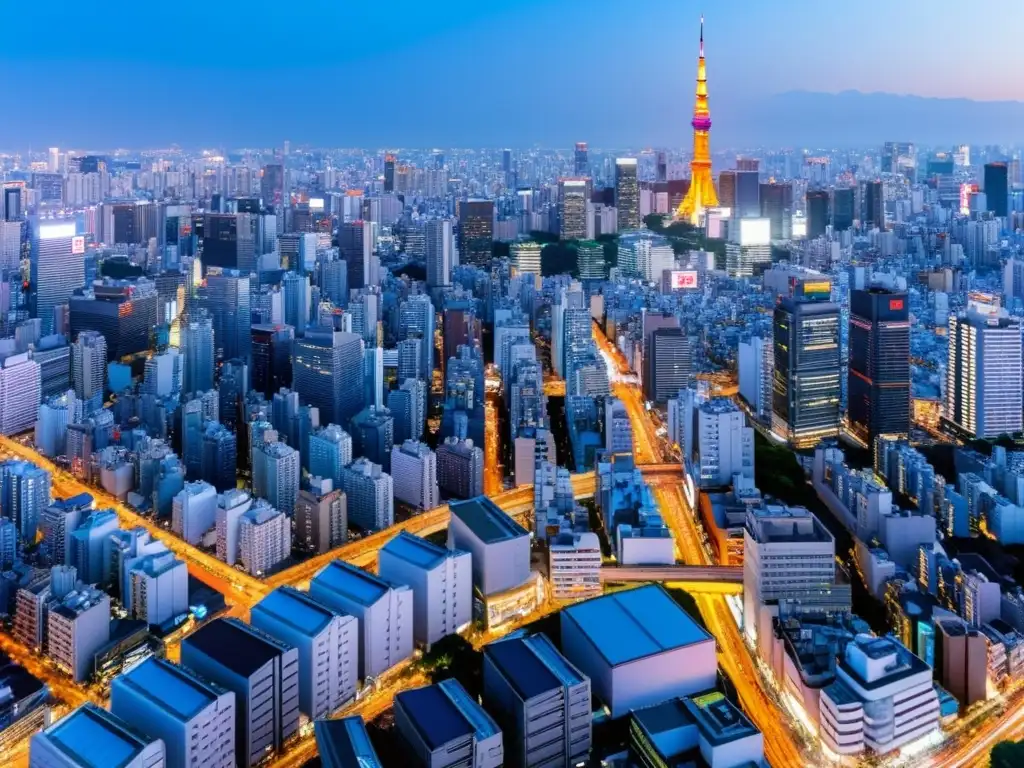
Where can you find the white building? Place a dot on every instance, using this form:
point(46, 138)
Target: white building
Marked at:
point(574, 561)
point(194, 511)
point(384, 611)
point(441, 581)
point(414, 475)
point(85, 737)
point(327, 642)
point(883, 697)
point(983, 374)
point(77, 627)
point(645, 254)
point(276, 471)
point(439, 245)
point(756, 363)
point(158, 588)
point(370, 493)
point(638, 647)
point(20, 393)
point(231, 505)
point(787, 555)
point(499, 545)
point(526, 258)
point(724, 444)
point(264, 538)
point(194, 719)
point(646, 544)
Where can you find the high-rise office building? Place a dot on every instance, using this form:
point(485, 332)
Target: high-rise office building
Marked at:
point(476, 231)
point(225, 295)
point(272, 186)
point(439, 243)
point(128, 223)
point(57, 268)
point(20, 392)
point(89, 368)
point(806, 386)
point(330, 450)
point(573, 196)
point(997, 188)
point(370, 495)
point(460, 468)
point(275, 475)
point(756, 362)
point(197, 352)
point(24, 494)
point(590, 261)
point(408, 406)
point(356, 243)
point(818, 212)
point(297, 300)
point(878, 390)
point(417, 318)
point(124, 311)
point(581, 163)
point(373, 435)
point(389, 172)
point(627, 193)
point(843, 208)
point(261, 671)
point(526, 258)
point(194, 718)
point(230, 241)
point(339, 394)
point(271, 357)
point(983, 374)
point(872, 205)
point(668, 364)
point(777, 207)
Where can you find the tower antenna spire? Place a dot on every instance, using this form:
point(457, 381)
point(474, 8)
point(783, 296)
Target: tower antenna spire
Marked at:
point(701, 195)
point(702, 35)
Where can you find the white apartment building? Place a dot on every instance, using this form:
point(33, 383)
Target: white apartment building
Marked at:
point(756, 363)
point(883, 697)
point(231, 505)
point(77, 627)
point(194, 511)
point(371, 495)
point(384, 611)
point(327, 642)
point(725, 444)
point(159, 588)
point(574, 561)
point(264, 538)
point(414, 475)
point(441, 581)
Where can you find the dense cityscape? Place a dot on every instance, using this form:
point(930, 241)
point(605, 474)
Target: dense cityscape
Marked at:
point(533, 457)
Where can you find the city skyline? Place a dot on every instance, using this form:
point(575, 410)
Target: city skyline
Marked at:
point(158, 100)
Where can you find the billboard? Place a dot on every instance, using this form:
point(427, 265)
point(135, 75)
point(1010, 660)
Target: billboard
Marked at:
point(77, 245)
point(56, 230)
point(316, 203)
point(681, 279)
point(755, 231)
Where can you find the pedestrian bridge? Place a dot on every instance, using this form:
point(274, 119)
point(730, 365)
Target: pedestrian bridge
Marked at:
point(720, 579)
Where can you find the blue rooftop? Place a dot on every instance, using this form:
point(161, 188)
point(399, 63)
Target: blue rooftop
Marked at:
point(94, 738)
point(631, 625)
point(344, 743)
point(444, 712)
point(532, 665)
point(171, 687)
point(415, 550)
point(352, 582)
point(296, 608)
point(486, 520)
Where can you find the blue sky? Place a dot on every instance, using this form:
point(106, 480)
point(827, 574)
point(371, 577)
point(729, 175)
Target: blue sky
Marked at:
point(467, 71)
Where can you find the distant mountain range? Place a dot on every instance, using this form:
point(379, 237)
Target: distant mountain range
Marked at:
point(853, 118)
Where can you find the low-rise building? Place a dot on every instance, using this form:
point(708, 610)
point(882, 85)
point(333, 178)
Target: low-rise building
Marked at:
point(344, 743)
point(574, 565)
point(91, 736)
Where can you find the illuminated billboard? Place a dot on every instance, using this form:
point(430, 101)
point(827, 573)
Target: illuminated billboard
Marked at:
point(56, 230)
point(77, 245)
point(755, 231)
point(966, 190)
point(316, 203)
point(681, 279)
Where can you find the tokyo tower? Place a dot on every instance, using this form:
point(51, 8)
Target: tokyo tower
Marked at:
point(701, 194)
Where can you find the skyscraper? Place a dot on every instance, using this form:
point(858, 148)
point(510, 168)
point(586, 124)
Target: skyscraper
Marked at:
point(818, 212)
point(438, 245)
point(355, 245)
point(476, 231)
point(197, 345)
point(842, 208)
point(417, 319)
point(872, 205)
point(389, 172)
point(878, 399)
point(271, 357)
point(572, 208)
point(370, 494)
point(997, 188)
point(225, 295)
point(124, 311)
point(581, 163)
point(777, 207)
point(297, 300)
point(330, 451)
point(668, 364)
point(89, 368)
point(701, 194)
point(230, 241)
point(57, 268)
point(414, 471)
point(983, 375)
point(272, 186)
point(627, 194)
point(327, 372)
point(24, 494)
point(805, 393)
